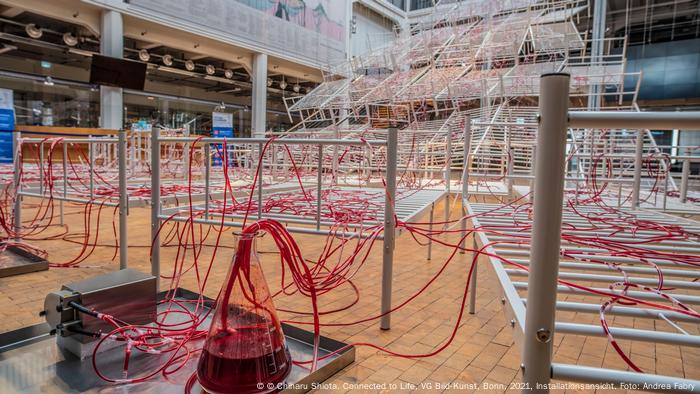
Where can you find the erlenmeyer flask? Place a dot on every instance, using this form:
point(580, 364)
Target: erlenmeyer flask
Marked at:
point(245, 348)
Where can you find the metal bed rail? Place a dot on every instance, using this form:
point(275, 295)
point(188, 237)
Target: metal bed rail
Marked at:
point(123, 200)
point(542, 286)
point(389, 220)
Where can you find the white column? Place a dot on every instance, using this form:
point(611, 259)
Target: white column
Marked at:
point(112, 44)
point(597, 48)
point(259, 99)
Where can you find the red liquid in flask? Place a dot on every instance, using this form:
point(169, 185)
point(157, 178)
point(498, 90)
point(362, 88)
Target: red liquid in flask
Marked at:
point(245, 346)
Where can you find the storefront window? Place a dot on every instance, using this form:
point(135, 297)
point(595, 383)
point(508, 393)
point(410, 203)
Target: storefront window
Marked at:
point(45, 102)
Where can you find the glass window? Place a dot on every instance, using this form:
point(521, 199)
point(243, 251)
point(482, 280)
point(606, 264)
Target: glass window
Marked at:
point(47, 103)
point(400, 4)
point(420, 4)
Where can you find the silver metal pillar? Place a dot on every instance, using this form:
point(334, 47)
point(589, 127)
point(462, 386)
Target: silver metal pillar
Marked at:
point(472, 282)
point(123, 202)
point(41, 168)
point(546, 238)
point(260, 180)
point(259, 99)
point(637, 183)
point(64, 163)
point(597, 48)
point(509, 165)
point(18, 185)
point(448, 174)
point(111, 44)
point(465, 177)
point(207, 177)
point(665, 190)
point(467, 152)
point(91, 165)
point(389, 227)
point(685, 174)
point(319, 181)
point(155, 204)
point(532, 172)
point(430, 230)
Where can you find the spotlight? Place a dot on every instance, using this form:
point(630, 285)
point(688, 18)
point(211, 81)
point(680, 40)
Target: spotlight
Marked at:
point(48, 81)
point(33, 31)
point(269, 82)
point(296, 88)
point(167, 60)
point(144, 55)
point(210, 69)
point(189, 65)
point(283, 85)
point(70, 39)
point(228, 73)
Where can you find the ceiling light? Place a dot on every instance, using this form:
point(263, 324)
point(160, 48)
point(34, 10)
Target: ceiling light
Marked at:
point(167, 60)
point(189, 65)
point(228, 73)
point(283, 85)
point(210, 69)
point(70, 39)
point(296, 88)
point(144, 55)
point(33, 30)
point(269, 82)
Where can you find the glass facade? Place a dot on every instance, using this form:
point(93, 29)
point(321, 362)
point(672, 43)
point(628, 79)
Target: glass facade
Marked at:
point(42, 101)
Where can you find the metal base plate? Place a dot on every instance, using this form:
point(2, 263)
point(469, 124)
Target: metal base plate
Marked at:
point(31, 362)
point(15, 261)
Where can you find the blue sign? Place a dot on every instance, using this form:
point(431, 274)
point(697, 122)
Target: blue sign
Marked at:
point(217, 149)
point(7, 127)
point(222, 126)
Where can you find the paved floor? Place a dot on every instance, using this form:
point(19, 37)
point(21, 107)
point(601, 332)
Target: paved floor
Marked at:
point(482, 355)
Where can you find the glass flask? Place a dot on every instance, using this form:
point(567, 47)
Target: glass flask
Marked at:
point(245, 348)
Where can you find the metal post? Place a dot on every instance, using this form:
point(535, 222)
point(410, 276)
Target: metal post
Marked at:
point(668, 173)
point(463, 228)
point(123, 202)
point(65, 179)
point(637, 169)
point(186, 154)
point(260, 182)
point(319, 180)
point(472, 282)
point(91, 164)
point(41, 168)
point(448, 173)
point(207, 177)
point(467, 152)
point(389, 227)
point(18, 186)
point(430, 230)
point(509, 165)
point(155, 205)
point(546, 231)
point(465, 175)
point(532, 172)
point(619, 194)
point(684, 180)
